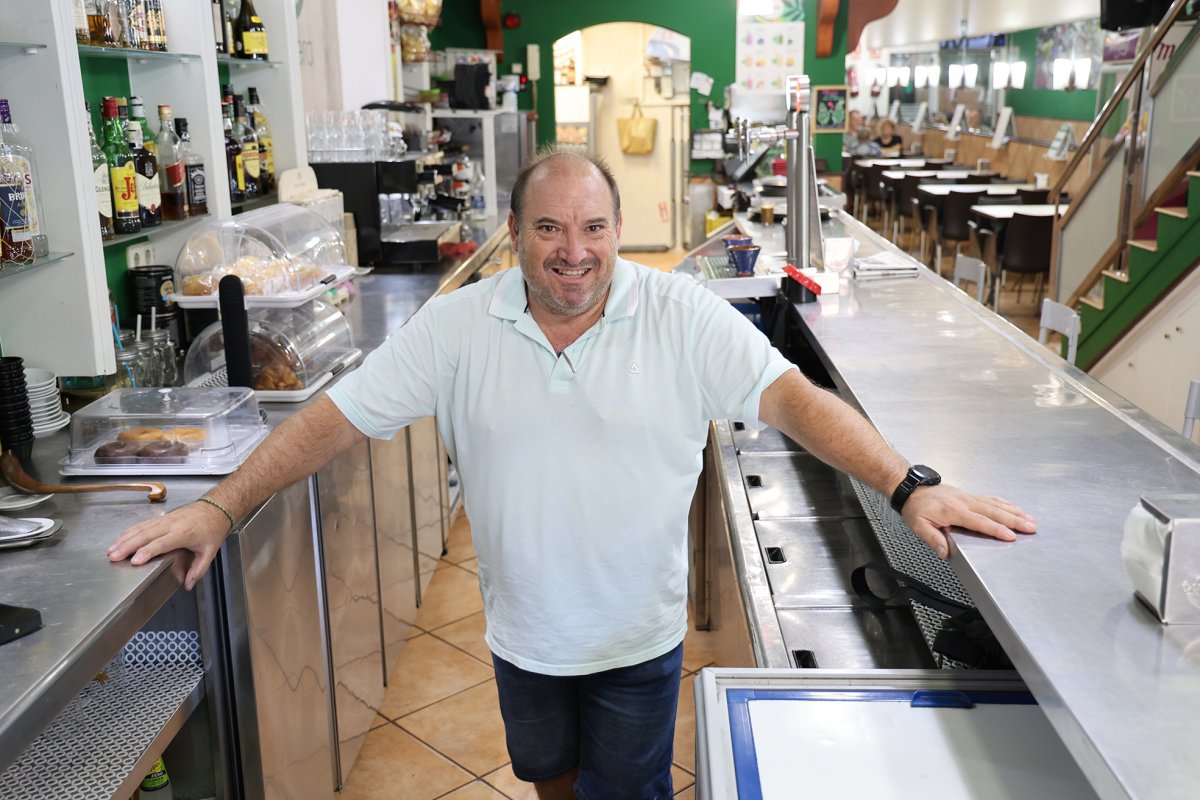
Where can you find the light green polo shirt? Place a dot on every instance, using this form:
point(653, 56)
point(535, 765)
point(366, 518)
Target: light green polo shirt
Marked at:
point(577, 469)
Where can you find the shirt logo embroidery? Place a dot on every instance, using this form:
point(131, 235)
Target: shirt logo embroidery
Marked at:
point(634, 369)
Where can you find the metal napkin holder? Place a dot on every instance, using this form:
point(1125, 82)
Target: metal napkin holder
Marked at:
point(1168, 581)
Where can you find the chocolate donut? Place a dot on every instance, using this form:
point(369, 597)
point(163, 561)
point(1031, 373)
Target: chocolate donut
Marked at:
point(117, 452)
point(163, 453)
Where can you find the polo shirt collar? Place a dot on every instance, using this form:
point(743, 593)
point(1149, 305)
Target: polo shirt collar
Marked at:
point(509, 300)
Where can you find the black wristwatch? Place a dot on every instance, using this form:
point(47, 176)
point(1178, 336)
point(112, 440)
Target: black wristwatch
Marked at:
point(918, 475)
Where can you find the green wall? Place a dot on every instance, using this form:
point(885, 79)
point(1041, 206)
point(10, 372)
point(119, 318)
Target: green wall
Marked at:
point(825, 72)
point(1030, 102)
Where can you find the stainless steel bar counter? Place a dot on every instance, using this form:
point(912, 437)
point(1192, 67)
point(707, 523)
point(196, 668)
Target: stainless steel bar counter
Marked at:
point(90, 607)
point(950, 384)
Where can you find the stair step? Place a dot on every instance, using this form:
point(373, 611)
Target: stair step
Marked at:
point(1123, 277)
point(1088, 300)
point(1179, 212)
point(1144, 244)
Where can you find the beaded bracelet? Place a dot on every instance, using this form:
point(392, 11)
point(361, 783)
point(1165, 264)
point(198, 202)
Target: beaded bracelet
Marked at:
point(220, 508)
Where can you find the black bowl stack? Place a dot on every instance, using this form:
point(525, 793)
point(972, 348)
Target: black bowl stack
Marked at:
point(16, 422)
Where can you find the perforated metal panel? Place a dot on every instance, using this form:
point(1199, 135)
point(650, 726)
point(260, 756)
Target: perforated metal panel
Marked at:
point(905, 551)
point(90, 748)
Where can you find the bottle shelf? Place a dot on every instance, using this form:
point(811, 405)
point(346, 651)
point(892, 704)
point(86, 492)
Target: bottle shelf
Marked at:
point(122, 721)
point(28, 47)
point(247, 63)
point(139, 56)
point(158, 230)
point(8, 270)
point(258, 202)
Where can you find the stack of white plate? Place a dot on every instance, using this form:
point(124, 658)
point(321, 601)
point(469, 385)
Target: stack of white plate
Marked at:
point(45, 405)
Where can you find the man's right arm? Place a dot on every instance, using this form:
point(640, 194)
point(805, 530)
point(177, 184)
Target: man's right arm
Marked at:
point(296, 449)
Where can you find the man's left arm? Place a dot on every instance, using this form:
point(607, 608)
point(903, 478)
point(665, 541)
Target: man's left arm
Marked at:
point(838, 435)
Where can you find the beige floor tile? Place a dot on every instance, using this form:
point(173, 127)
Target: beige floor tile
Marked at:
point(687, 794)
point(471, 564)
point(467, 634)
point(474, 791)
point(513, 787)
point(697, 650)
point(452, 595)
point(429, 670)
point(413, 632)
point(681, 778)
point(393, 764)
point(685, 726)
point(459, 547)
point(466, 728)
point(380, 719)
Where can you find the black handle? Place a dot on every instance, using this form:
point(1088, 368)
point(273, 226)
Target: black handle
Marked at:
point(236, 329)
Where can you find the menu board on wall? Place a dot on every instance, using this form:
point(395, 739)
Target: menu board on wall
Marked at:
point(767, 52)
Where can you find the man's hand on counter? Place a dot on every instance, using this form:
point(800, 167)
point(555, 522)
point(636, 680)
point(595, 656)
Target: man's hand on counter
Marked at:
point(196, 528)
point(932, 511)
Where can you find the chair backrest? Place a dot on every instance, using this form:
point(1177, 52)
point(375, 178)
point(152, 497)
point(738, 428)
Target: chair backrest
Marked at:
point(1060, 319)
point(973, 270)
point(874, 175)
point(1191, 411)
point(956, 212)
point(1032, 197)
point(1027, 243)
point(907, 191)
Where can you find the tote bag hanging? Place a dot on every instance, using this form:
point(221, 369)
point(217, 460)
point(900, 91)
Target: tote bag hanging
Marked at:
point(636, 133)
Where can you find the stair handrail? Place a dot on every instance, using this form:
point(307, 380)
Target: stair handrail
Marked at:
point(1110, 106)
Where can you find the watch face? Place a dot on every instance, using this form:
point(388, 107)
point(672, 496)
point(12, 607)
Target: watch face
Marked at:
point(925, 474)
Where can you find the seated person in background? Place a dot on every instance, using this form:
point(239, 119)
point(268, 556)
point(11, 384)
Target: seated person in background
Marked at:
point(854, 121)
point(888, 139)
point(863, 146)
point(974, 122)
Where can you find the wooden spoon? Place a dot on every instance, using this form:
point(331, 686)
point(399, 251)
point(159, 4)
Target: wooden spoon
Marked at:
point(17, 478)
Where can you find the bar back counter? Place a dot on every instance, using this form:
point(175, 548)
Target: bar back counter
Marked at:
point(950, 384)
point(264, 681)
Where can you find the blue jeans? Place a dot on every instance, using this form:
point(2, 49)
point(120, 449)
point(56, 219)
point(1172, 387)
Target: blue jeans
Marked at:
point(617, 726)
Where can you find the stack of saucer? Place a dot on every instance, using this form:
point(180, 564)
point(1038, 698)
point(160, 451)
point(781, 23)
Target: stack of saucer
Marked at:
point(45, 405)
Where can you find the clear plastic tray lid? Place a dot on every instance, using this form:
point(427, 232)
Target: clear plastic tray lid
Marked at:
point(278, 250)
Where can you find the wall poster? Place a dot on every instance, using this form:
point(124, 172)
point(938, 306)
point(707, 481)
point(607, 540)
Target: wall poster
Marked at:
point(770, 47)
point(829, 108)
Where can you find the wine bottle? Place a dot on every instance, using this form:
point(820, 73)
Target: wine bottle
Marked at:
point(249, 34)
point(126, 215)
point(250, 149)
point(146, 176)
point(101, 181)
point(193, 162)
point(266, 147)
point(233, 155)
point(21, 152)
point(172, 174)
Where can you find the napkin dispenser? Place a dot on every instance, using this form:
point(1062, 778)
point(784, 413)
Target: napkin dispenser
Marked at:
point(1161, 552)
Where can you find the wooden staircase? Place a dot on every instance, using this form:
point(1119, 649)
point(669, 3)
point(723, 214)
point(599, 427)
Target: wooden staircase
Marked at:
point(1154, 266)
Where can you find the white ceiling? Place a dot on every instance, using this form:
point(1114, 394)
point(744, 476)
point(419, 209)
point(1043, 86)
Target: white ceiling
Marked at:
point(917, 21)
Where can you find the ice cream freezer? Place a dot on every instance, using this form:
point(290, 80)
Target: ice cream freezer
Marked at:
point(767, 734)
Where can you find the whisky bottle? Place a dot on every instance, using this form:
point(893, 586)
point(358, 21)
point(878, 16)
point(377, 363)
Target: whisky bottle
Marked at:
point(80, 14)
point(250, 149)
point(100, 28)
point(249, 34)
point(172, 175)
point(16, 241)
point(193, 163)
point(126, 215)
point(146, 176)
point(233, 155)
point(101, 182)
point(20, 152)
point(137, 116)
point(266, 147)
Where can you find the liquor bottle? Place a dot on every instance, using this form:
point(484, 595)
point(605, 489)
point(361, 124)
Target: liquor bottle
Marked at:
point(79, 12)
point(101, 181)
point(123, 115)
point(137, 32)
point(157, 783)
point(266, 147)
point(478, 194)
point(100, 27)
point(16, 241)
point(156, 22)
point(249, 34)
point(172, 175)
point(250, 155)
point(218, 18)
point(146, 175)
point(118, 14)
point(126, 215)
point(229, 48)
point(233, 155)
point(193, 163)
point(137, 116)
point(21, 153)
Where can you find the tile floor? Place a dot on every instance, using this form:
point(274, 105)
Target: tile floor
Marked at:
point(438, 732)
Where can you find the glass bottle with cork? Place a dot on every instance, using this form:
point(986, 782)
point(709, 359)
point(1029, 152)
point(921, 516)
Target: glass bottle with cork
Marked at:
point(122, 172)
point(172, 175)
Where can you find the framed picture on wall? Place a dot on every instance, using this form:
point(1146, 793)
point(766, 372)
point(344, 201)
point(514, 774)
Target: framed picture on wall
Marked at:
point(829, 108)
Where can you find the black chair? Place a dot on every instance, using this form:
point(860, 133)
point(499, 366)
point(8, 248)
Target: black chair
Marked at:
point(874, 190)
point(953, 223)
point(906, 193)
point(1032, 197)
point(1026, 250)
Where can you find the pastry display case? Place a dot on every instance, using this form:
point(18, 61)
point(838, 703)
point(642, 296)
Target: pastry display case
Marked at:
point(285, 255)
point(293, 351)
point(179, 431)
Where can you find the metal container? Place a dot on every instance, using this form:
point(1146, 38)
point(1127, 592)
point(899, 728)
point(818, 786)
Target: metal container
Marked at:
point(1161, 550)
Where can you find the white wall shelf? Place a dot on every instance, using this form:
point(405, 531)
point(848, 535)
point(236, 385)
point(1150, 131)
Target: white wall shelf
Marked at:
point(9, 270)
point(170, 226)
point(26, 47)
point(130, 54)
point(248, 63)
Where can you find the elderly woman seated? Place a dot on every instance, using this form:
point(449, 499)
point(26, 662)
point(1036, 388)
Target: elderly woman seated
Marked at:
point(888, 140)
point(864, 147)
